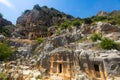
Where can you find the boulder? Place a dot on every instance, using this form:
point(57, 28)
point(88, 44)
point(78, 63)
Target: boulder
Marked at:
point(2, 38)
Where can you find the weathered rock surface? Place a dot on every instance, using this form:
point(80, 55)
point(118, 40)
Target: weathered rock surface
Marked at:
point(2, 38)
point(36, 21)
point(4, 22)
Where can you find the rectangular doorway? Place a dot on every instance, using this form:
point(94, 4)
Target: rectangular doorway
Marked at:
point(60, 68)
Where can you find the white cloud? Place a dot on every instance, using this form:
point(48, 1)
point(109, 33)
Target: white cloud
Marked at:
point(7, 3)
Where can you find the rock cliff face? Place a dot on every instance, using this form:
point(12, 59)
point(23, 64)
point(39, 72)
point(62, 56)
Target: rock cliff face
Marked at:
point(6, 27)
point(35, 22)
point(4, 22)
point(67, 55)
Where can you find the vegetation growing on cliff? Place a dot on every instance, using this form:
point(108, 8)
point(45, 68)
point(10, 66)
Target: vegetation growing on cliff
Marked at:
point(96, 36)
point(108, 44)
point(3, 76)
point(5, 31)
point(5, 51)
point(39, 40)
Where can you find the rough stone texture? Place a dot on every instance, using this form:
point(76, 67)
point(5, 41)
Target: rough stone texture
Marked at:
point(107, 28)
point(110, 60)
point(4, 22)
point(102, 13)
point(23, 48)
point(102, 27)
point(35, 22)
point(54, 42)
point(2, 38)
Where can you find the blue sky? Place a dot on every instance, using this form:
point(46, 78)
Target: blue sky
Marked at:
point(12, 9)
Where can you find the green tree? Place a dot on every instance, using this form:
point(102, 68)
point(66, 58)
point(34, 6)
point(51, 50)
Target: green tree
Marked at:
point(5, 51)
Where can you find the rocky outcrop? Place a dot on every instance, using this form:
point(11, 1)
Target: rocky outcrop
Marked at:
point(6, 27)
point(107, 28)
point(102, 27)
point(4, 22)
point(43, 16)
point(35, 22)
point(107, 61)
point(102, 13)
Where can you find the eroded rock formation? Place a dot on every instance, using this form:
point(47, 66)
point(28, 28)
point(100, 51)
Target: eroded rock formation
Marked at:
point(35, 22)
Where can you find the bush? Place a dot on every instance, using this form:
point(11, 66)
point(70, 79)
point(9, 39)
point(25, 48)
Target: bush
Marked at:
point(5, 51)
point(118, 46)
point(58, 31)
point(39, 77)
point(65, 25)
point(87, 20)
point(5, 31)
point(99, 18)
point(96, 36)
point(76, 23)
point(40, 40)
point(107, 44)
point(3, 76)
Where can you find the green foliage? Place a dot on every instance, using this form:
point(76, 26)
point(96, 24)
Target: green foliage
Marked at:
point(65, 25)
point(87, 20)
point(112, 18)
point(39, 40)
point(3, 76)
point(96, 36)
point(1, 15)
point(99, 18)
point(107, 44)
point(118, 46)
point(76, 23)
point(5, 31)
point(5, 51)
point(39, 77)
point(69, 16)
point(59, 15)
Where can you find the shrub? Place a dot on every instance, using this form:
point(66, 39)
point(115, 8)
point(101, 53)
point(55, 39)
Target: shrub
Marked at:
point(107, 44)
point(96, 36)
point(5, 51)
point(3, 76)
point(87, 20)
point(118, 46)
point(5, 31)
point(76, 23)
point(39, 77)
point(65, 25)
point(58, 31)
point(59, 15)
point(40, 40)
point(99, 18)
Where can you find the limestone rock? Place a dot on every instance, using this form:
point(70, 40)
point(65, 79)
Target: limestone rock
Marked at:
point(36, 21)
point(107, 28)
point(2, 37)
